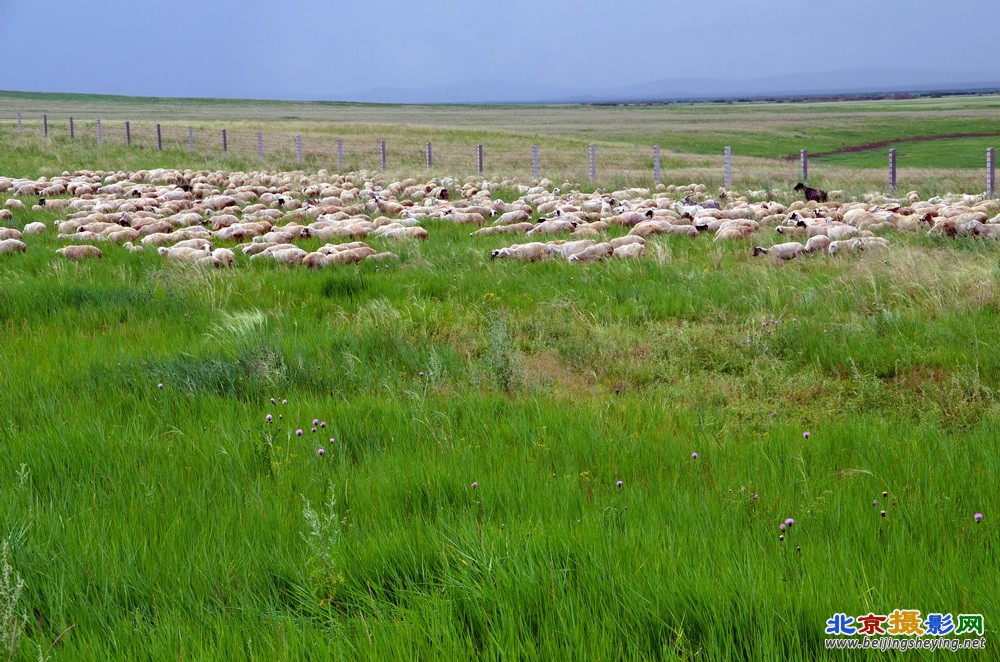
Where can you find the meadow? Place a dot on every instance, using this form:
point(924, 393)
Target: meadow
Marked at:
point(520, 461)
point(765, 138)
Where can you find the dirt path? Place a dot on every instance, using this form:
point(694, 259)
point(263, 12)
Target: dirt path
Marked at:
point(885, 143)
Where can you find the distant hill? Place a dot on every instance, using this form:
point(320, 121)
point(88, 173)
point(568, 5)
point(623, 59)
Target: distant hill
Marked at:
point(846, 81)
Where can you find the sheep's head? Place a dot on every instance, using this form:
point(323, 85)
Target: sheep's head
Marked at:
point(496, 253)
point(799, 187)
point(759, 250)
point(649, 213)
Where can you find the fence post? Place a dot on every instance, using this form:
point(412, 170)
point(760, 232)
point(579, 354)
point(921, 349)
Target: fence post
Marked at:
point(225, 143)
point(159, 138)
point(804, 158)
point(593, 163)
point(100, 136)
point(340, 154)
point(892, 172)
point(72, 132)
point(534, 161)
point(430, 157)
point(729, 167)
point(656, 163)
point(190, 140)
point(382, 144)
point(298, 147)
point(260, 145)
point(991, 171)
point(20, 128)
point(128, 134)
point(45, 125)
point(479, 157)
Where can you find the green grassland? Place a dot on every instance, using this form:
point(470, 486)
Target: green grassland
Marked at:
point(692, 137)
point(174, 522)
point(480, 413)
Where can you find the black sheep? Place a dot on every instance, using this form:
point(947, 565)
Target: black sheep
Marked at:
point(811, 193)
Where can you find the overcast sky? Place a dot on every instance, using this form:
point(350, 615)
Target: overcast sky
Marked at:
point(315, 49)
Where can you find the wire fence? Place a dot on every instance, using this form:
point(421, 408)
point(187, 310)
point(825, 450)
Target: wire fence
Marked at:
point(242, 146)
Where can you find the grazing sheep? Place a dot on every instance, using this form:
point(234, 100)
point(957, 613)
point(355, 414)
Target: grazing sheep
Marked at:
point(846, 246)
point(12, 246)
point(290, 256)
point(618, 242)
point(570, 248)
point(734, 232)
point(223, 257)
point(132, 248)
point(552, 226)
point(183, 254)
point(515, 228)
point(6, 215)
point(633, 251)
point(818, 243)
point(80, 252)
point(9, 233)
point(35, 228)
point(812, 194)
point(13, 204)
point(383, 257)
point(786, 251)
point(532, 252)
point(593, 254)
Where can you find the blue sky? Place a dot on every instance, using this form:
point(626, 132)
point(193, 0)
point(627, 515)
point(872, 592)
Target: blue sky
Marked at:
point(308, 49)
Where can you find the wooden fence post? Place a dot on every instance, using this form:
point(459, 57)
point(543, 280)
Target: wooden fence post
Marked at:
point(656, 163)
point(892, 172)
point(382, 144)
point(128, 134)
point(729, 167)
point(298, 147)
point(45, 125)
point(159, 138)
point(225, 143)
point(100, 136)
point(991, 171)
point(534, 161)
point(479, 157)
point(340, 154)
point(260, 145)
point(593, 163)
point(430, 157)
point(804, 159)
point(20, 128)
point(72, 132)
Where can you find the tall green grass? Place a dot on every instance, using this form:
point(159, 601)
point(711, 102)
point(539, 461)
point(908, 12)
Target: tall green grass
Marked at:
point(479, 415)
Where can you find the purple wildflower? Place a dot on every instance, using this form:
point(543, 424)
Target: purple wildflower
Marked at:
point(978, 517)
point(474, 485)
point(320, 452)
point(619, 483)
point(269, 418)
point(694, 456)
point(298, 433)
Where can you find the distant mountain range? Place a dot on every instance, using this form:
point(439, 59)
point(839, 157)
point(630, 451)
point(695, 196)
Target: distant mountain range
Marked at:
point(845, 81)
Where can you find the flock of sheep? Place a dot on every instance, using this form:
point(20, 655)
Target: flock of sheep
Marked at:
point(185, 215)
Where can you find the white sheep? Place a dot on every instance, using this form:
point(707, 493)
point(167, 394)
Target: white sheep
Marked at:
point(80, 252)
point(12, 246)
point(787, 251)
point(9, 233)
point(532, 252)
point(594, 253)
point(35, 228)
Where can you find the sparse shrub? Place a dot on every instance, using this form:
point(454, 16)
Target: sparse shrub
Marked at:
point(502, 361)
point(11, 620)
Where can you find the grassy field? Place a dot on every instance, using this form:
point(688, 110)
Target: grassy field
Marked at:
point(692, 138)
point(478, 415)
